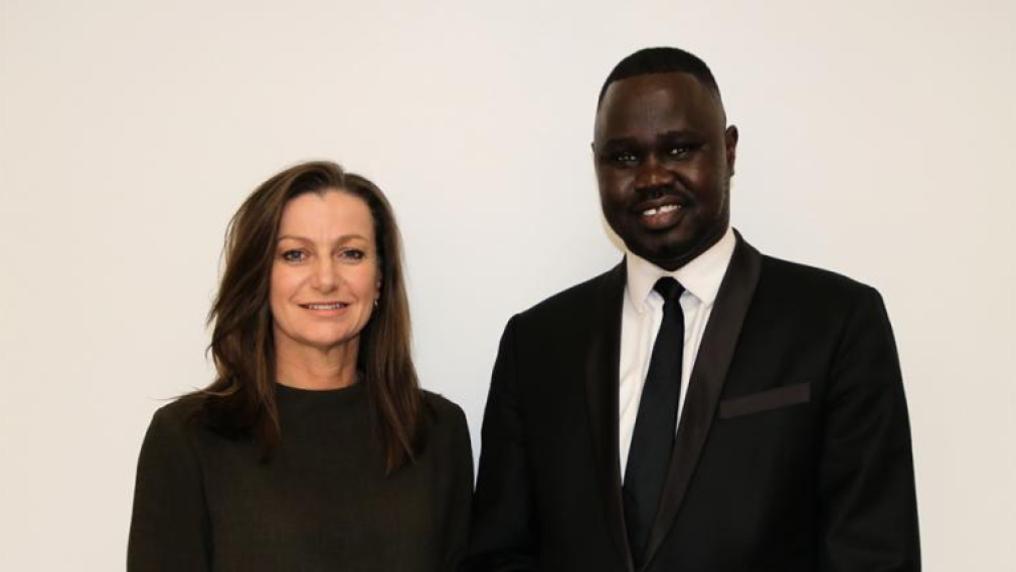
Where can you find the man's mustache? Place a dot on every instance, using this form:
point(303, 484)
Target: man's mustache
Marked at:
point(657, 192)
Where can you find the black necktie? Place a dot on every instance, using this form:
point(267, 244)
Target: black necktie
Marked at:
point(653, 438)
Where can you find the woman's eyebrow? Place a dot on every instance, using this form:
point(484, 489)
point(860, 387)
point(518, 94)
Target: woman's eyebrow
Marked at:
point(343, 238)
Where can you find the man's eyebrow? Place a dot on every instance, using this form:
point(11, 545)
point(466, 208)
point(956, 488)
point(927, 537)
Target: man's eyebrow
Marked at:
point(677, 133)
point(619, 141)
point(343, 238)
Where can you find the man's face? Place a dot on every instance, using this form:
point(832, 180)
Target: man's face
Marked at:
point(663, 162)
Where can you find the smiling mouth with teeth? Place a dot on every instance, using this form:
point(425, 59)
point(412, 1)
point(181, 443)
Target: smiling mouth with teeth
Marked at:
point(660, 210)
point(332, 306)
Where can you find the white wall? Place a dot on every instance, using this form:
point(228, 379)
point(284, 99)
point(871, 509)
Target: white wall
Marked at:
point(877, 140)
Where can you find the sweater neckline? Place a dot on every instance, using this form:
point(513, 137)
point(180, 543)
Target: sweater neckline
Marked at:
point(289, 393)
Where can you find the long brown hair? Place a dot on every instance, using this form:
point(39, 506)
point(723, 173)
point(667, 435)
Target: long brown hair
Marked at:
point(241, 400)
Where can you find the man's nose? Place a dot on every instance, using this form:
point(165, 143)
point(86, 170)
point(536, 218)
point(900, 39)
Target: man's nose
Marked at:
point(653, 173)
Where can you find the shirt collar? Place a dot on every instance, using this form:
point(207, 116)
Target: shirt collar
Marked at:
point(701, 276)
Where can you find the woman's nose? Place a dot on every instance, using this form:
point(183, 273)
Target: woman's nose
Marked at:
point(325, 277)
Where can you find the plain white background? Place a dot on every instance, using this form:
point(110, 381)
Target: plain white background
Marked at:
point(876, 140)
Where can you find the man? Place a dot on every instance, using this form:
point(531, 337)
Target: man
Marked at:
point(700, 407)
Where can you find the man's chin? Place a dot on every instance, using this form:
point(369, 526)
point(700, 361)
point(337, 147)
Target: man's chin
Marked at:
point(669, 257)
point(669, 251)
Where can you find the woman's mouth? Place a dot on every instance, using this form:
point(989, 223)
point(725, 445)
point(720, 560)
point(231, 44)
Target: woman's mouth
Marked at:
point(325, 306)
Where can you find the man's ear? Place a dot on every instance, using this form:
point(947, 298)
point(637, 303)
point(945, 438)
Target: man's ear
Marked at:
point(730, 146)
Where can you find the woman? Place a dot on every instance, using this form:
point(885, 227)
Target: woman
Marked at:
point(314, 449)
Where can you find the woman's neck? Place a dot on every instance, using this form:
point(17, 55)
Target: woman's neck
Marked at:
point(307, 367)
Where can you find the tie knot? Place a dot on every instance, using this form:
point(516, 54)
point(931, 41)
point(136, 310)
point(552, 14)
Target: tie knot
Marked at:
point(669, 288)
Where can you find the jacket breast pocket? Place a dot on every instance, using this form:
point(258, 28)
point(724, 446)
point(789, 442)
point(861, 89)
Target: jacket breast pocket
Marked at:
point(767, 400)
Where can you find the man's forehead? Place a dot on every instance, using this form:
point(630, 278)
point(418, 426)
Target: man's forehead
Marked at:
point(640, 99)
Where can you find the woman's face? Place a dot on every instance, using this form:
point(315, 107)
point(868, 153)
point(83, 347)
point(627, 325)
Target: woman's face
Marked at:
point(325, 276)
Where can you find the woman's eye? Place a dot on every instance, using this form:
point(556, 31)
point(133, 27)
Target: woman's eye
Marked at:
point(294, 255)
point(353, 254)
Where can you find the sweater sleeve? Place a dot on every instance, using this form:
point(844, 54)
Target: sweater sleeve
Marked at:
point(169, 525)
point(461, 492)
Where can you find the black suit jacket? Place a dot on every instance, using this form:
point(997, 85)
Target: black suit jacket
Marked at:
point(792, 453)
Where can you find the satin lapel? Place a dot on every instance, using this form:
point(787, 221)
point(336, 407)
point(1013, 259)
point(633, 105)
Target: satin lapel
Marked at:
point(714, 356)
point(601, 374)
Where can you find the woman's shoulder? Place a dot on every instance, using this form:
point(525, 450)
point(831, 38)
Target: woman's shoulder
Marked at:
point(446, 432)
point(447, 437)
point(173, 436)
point(441, 409)
point(179, 417)
point(444, 417)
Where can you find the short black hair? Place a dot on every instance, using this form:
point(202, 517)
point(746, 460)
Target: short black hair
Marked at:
point(660, 60)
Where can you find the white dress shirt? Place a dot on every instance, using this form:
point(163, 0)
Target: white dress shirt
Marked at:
point(642, 313)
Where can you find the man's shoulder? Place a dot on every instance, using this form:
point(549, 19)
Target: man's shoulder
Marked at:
point(578, 300)
point(809, 282)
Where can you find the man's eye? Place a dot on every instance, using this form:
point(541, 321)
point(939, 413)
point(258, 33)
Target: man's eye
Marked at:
point(624, 158)
point(680, 149)
point(294, 256)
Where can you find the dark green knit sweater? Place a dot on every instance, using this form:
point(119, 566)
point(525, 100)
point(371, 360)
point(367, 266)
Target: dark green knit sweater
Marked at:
point(323, 503)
